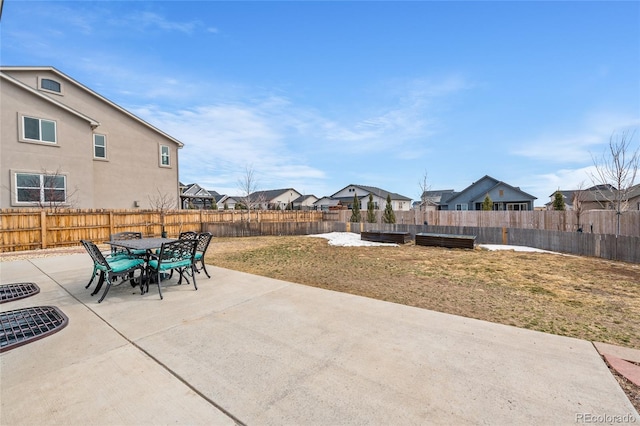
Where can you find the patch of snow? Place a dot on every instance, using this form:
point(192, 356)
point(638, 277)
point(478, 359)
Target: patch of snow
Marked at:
point(493, 247)
point(349, 239)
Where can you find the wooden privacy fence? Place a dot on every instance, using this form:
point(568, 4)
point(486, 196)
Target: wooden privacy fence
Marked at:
point(596, 221)
point(28, 229)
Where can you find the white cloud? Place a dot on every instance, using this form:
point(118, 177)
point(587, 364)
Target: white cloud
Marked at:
point(544, 185)
point(576, 148)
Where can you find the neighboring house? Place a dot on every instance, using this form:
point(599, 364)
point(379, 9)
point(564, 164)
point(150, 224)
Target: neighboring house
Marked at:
point(275, 199)
point(193, 196)
point(503, 196)
point(326, 203)
point(431, 200)
point(345, 197)
point(598, 197)
point(227, 200)
point(305, 202)
point(64, 145)
point(567, 196)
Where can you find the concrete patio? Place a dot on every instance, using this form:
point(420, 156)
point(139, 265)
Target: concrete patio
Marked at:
point(251, 350)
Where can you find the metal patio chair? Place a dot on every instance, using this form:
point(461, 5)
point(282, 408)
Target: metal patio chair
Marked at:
point(204, 238)
point(121, 251)
point(110, 269)
point(174, 256)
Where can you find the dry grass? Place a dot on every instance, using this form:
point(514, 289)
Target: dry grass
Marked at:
point(586, 298)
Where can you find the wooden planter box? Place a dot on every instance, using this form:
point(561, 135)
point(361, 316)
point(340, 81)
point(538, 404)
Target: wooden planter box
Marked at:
point(386, 237)
point(446, 240)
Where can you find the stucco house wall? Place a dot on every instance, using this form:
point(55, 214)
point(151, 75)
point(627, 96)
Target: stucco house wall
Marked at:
point(130, 176)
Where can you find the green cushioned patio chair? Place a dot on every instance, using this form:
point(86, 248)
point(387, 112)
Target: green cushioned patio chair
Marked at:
point(124, 252)
point(111, 269)
point(177, 255)
point(204, 238)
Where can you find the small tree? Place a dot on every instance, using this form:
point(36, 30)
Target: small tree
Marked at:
point(162, 202)
point(558, 201)
point(577, 200)
point(615, 173)
point(355, 209)
point(424, 188)
point(487, 204)
point(389, 216)
point(248, 184)
point(371, 213)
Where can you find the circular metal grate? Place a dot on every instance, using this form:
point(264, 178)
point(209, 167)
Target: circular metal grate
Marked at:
point(22, 326)
point(9, 292)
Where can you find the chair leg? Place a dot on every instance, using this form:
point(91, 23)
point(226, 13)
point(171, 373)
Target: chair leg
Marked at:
point(106, 289)
point(99, 285)
point(93, 275)
point(193, 274)
point(204, 268)
point(159, 289)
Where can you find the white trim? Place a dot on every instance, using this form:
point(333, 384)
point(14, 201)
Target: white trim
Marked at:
point(93, 146)
point(23, 136)
point(161, 156)
point(53, 92)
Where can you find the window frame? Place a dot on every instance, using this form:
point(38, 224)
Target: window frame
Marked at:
point(41, 81)
point(462, 207)
point(42, 190)
point(162, 156)
point(96, 157)
point(23, 130)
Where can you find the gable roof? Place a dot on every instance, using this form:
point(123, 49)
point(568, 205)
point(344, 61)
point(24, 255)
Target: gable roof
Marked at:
point(86, 89)
point(270, 194)
point(376, 191)
point(497, 183)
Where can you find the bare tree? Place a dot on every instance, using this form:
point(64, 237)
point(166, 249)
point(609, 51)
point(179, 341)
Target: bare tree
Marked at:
point(162, 202)
point(577, 201)
point(616, 172)
point(248, 185)
point(424, 188)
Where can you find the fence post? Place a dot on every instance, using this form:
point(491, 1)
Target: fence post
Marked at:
point(111, 232)
point(505, 239)
point(43, 229)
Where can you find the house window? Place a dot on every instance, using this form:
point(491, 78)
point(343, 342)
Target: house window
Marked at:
point(51, 85)
point(99, 146)
point(517, 206)
point(37, 188)
point(462, 206)
point(39, 130)
point(165, 160)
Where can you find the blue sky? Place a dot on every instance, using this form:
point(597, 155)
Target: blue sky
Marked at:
point(319, 95)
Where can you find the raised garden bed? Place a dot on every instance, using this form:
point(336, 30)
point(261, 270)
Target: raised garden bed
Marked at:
point(386, 237)
point(446, 240)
